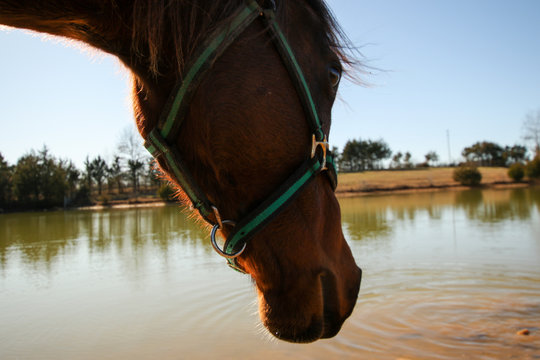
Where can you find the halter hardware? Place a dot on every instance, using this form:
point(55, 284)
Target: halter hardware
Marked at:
point(215, 229)
point(160, 140)
point(324, 146)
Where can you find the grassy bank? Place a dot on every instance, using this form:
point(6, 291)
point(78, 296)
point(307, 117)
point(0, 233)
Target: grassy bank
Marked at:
point(369, 182)
point(406, 180)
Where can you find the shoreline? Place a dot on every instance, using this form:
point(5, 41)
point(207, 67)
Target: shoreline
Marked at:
point(359, 184)
point(403, 189)
point(406, 189)
point(125, 205)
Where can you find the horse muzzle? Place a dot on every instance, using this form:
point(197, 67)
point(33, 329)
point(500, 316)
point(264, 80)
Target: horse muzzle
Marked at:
point(318, 315)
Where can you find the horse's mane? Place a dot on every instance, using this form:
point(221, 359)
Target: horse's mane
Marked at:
point(189, 22)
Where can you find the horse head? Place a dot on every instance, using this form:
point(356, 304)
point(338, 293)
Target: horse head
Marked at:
point(245, 133)
point(257, 113)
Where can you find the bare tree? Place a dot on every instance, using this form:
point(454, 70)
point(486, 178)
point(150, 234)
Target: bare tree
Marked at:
point(133, 154)
point(531, 130)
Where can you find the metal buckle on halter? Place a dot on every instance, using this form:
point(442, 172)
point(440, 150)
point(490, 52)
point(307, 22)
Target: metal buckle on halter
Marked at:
point(324, 146)
point(215, 245)
point(219, 226)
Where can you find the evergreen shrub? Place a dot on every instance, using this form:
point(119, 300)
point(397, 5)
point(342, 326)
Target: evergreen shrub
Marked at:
point(467, 175)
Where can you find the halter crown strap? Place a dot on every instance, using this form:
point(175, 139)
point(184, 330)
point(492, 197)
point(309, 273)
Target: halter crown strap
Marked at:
point(210, 50)
point(296, 74)
point(160, 141)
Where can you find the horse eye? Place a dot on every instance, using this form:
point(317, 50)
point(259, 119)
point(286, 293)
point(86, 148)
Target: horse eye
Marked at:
point(334, 75)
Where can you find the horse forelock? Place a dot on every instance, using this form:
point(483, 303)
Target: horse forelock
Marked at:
point(155, 23)
point(187, 23)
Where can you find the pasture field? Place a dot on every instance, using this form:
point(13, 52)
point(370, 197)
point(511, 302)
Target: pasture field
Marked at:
point(369, 182)
point(414, 180)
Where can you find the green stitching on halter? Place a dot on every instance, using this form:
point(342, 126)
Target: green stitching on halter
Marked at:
point(172, 163)
point(151, 149)
point(313, 110)
point(273, 207)
point(160, 138)
point(157, 143)
point(194, 70)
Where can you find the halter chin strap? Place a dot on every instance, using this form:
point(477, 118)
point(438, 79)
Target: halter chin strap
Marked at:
point(160, 141)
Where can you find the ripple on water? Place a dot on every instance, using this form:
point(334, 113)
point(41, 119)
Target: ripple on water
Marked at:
point(446, 314)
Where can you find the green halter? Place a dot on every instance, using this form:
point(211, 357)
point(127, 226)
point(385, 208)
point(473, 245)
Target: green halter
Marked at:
point(159, 141)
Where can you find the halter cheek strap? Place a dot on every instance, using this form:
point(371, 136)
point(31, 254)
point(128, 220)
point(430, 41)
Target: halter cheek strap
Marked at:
point(160, 139)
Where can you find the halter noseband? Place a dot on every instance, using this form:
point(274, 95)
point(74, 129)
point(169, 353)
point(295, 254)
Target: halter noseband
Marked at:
point(160, 140)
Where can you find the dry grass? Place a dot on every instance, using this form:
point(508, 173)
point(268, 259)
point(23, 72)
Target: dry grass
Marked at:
point(430, 178)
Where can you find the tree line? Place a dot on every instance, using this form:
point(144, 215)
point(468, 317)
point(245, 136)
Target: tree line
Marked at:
point(361, 155)
point(40, 180)
point(366, 154)
point(487, 153)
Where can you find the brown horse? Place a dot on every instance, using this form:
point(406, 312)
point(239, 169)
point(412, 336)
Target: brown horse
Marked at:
point(243, 134)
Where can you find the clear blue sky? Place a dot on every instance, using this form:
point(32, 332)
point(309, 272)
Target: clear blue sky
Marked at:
point(469, 67)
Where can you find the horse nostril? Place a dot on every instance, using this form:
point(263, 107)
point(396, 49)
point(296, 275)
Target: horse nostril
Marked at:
point(331, 315)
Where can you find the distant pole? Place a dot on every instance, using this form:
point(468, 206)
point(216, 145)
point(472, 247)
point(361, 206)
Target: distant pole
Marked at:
point(448, 142)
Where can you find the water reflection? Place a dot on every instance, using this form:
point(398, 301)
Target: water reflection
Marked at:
point(363, 220)
point(42, 238)
point(374, 216)
point(442, 271)
point(492, 207)
point(443, 274)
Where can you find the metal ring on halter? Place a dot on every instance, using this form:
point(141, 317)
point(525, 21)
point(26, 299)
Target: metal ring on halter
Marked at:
point(215, 245)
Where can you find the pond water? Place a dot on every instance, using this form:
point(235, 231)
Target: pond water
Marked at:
point(446, 275)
